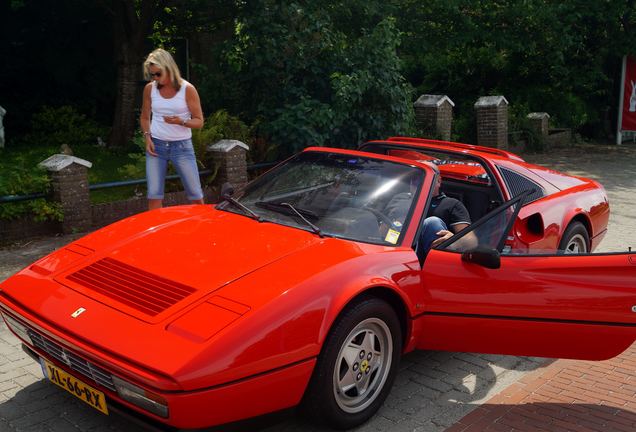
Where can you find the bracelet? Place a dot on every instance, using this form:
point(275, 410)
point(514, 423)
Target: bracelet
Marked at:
point(146, 133)
point(183, 122)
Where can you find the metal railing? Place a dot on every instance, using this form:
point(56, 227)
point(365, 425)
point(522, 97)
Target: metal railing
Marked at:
point(113, 184)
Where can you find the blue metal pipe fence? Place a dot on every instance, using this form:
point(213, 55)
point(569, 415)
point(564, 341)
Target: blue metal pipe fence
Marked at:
point(106, 185)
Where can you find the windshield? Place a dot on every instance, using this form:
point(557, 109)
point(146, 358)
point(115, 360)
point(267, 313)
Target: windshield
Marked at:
point(332, 194)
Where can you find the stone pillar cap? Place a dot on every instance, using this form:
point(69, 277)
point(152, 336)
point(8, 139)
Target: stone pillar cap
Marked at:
point(58, 162)
point(225, 145)
point(428, 100)
point(487, 101)
point(538, 115)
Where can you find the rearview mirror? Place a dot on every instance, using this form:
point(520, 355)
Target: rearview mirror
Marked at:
point(483, 256)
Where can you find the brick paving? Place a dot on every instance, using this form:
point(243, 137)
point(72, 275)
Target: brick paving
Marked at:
point(564, 396)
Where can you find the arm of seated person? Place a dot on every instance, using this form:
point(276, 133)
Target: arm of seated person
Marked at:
point(469, 241)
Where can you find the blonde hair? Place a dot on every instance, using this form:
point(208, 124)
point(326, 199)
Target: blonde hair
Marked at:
point(164, 61)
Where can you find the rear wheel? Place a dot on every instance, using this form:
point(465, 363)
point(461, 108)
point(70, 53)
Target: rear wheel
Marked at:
point(576, 239)
point(357, 366)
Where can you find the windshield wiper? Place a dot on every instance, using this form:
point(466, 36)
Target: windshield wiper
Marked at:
point(298, 212)
point(243, 207)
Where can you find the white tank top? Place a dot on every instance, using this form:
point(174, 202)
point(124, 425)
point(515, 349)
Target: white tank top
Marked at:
point(175, 106)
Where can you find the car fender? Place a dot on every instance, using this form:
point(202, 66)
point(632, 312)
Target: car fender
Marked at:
point(558, 210)
point(293, 305)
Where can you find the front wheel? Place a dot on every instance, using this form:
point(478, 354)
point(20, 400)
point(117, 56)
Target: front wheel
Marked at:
point(357, 366)
point(576, 239)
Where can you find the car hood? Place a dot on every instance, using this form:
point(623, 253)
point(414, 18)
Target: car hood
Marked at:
point(163, 269)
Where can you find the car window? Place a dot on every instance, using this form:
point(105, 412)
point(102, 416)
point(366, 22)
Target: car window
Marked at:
point(490, 231)
point(357, 198)
point(464, 177)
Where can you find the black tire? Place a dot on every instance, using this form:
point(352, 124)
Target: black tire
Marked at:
point(368, 323)
point(575, 239)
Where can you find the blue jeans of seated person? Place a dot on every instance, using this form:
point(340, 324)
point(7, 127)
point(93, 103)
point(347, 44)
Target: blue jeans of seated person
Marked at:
point(430, 227)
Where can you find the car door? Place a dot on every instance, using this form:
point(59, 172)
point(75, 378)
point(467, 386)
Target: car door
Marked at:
point(565, 306)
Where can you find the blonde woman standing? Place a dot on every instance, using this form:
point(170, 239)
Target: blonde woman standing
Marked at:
point(171, 109)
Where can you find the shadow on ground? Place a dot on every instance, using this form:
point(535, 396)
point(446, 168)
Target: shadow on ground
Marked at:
point(432, 391)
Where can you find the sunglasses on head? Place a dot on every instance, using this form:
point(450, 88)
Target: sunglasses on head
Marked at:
point(155, 74)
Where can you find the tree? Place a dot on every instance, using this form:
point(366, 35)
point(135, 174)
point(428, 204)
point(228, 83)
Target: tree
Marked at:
point(132, 22)
point(145, 24)
point(559, 57)
point(316, 75)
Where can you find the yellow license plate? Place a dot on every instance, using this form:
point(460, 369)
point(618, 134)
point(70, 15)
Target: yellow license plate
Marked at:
point(88, 394)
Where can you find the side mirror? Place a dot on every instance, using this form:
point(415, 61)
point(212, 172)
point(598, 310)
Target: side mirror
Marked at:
point(227, 189)
point(483, 256)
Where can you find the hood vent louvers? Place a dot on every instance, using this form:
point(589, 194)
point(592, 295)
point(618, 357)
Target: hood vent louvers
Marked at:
point(138, 289)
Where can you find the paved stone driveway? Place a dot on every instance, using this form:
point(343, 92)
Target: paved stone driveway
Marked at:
point(433, 391)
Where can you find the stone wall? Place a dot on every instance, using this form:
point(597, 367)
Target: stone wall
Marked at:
point(559, 138)
point(106, 213)
point(69, 181)
point(19, 230)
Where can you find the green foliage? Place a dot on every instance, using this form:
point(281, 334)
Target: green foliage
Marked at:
point(317, 73)
point(315, 82)
point(372, 98)
point(557, 57)
point(62, 125)
point(39, 209)
point(522, 128)
point(136, 168)
point(218, 126)
point(21, 176)
point(17, 179)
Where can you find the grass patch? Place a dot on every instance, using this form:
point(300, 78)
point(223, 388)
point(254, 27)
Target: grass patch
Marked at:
point(21, 176)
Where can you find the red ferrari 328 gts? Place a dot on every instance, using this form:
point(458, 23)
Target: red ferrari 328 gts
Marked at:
point(304, 290)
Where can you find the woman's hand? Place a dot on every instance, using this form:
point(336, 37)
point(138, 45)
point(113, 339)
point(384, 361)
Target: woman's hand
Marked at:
point(150, 146)
point(174, 120)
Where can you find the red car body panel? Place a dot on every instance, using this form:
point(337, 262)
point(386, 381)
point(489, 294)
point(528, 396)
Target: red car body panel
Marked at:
point(261, 298)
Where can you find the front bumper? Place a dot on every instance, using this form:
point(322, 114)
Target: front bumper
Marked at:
point(249, 397)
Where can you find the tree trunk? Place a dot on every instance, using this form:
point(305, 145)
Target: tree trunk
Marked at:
point(128, 89)
point(132, 27)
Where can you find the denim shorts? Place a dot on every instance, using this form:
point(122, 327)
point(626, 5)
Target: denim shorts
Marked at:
point(181, 154)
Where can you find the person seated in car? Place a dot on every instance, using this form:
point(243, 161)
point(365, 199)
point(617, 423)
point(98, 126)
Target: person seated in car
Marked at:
point(446, 216)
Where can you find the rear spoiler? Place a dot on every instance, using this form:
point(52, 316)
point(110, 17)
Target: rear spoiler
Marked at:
point(454, 145)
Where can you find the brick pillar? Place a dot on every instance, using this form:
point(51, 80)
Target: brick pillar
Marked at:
point(539, 123)
point(434, 116)
point(69, 180)
point(228, 157)
point(492, 121)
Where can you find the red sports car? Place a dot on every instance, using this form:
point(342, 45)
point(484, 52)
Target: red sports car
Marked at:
point(304, 290)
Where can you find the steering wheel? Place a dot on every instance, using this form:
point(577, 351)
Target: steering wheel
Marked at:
point(384, 218)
